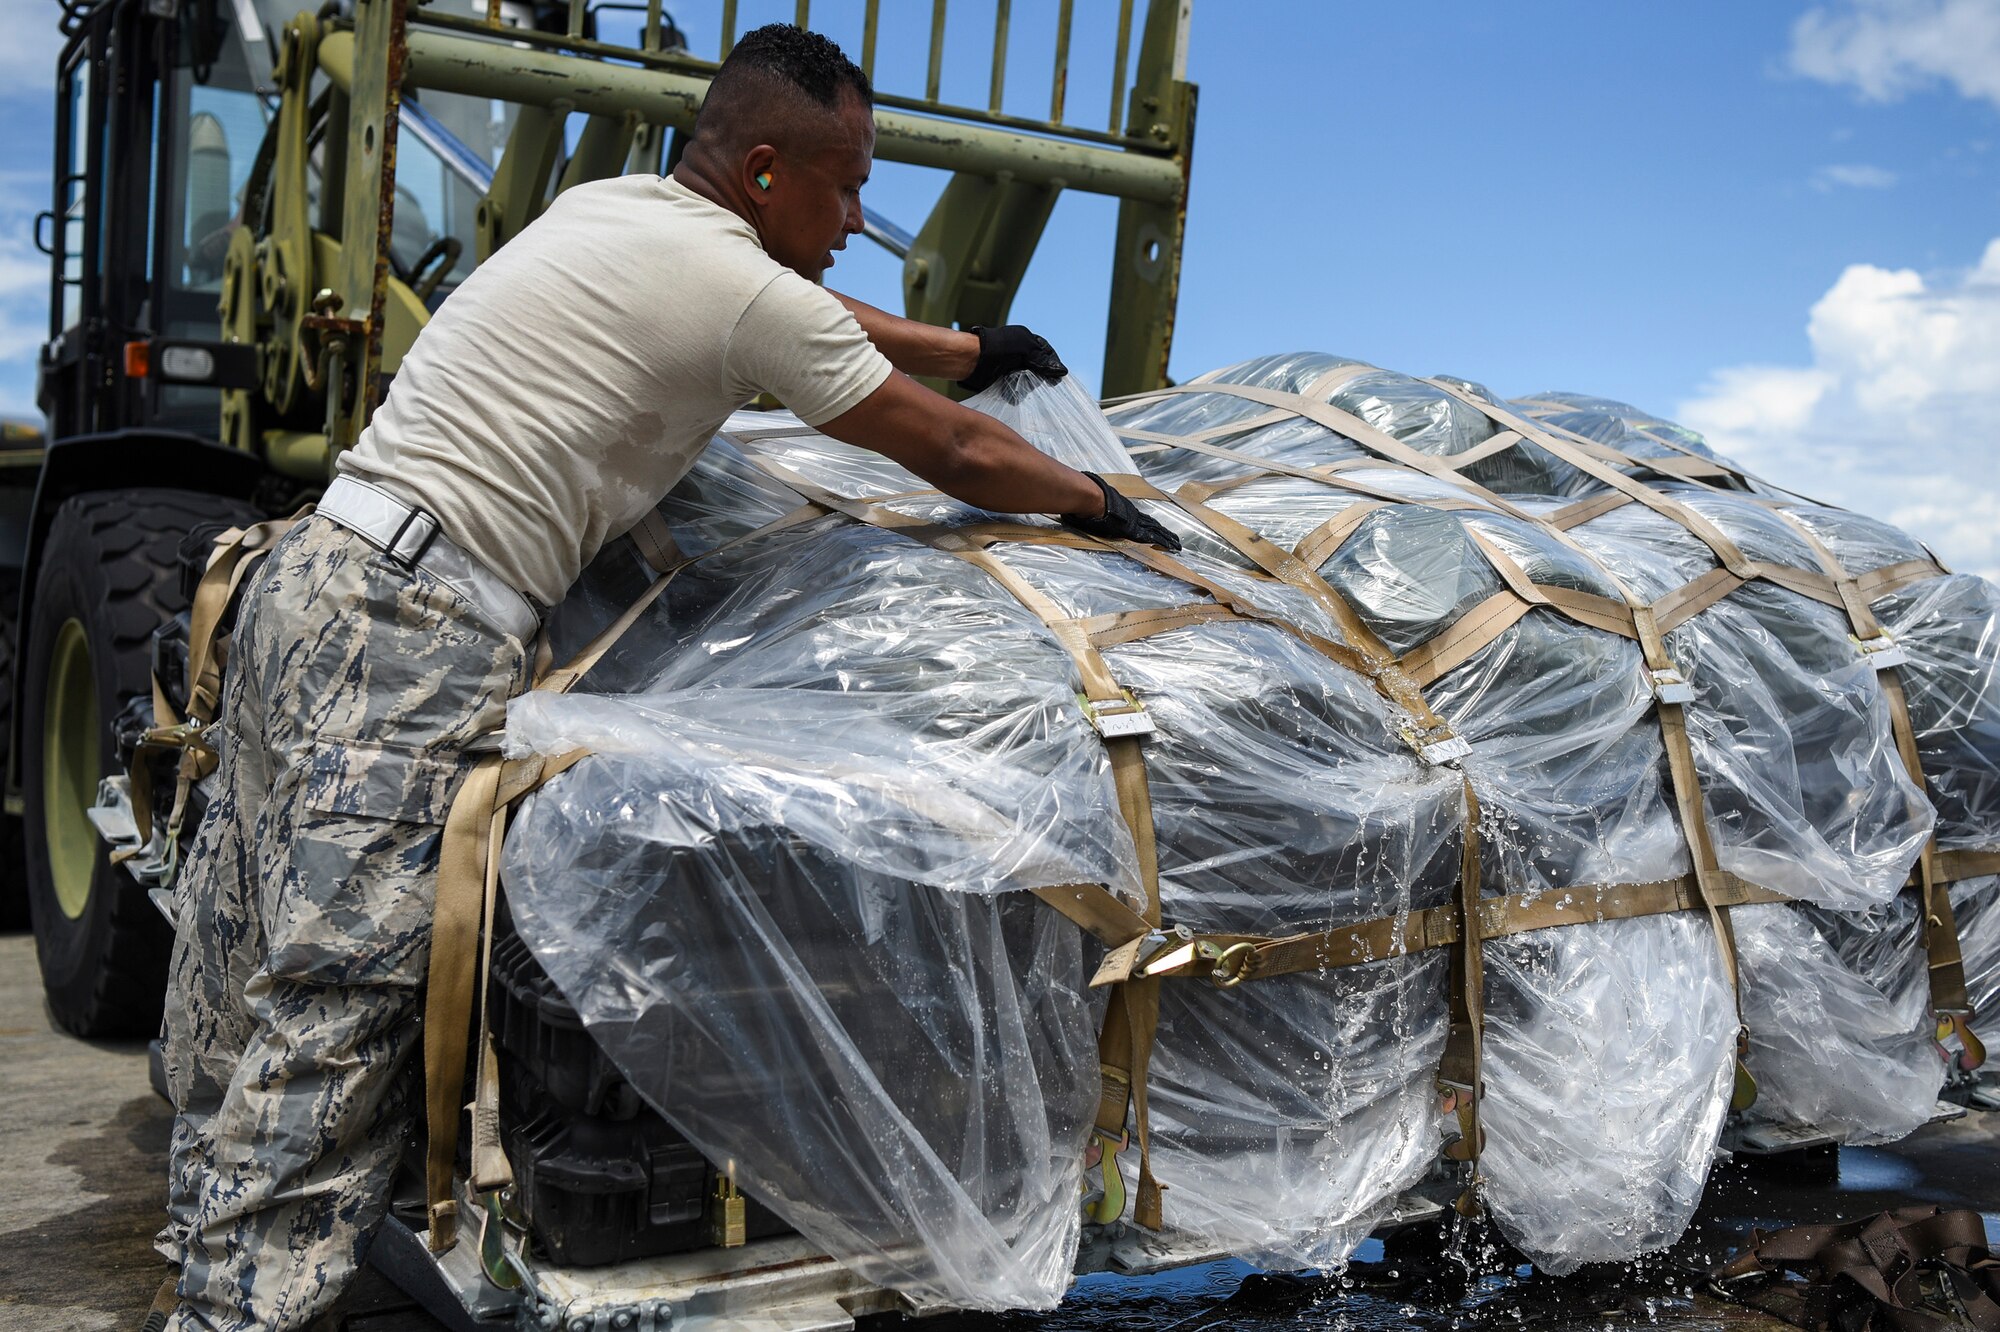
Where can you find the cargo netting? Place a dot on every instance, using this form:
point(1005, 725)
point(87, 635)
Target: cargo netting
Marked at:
point(1491, 790)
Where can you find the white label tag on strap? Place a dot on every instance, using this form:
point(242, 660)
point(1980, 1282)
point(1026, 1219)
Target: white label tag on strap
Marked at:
point(1116, 719)
point(1670, 686)
point(1881, 651)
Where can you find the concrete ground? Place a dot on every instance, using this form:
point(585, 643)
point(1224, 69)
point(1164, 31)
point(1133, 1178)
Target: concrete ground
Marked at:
point(83, 1144)
point(83, 1149)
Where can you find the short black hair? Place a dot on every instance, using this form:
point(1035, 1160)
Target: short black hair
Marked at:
point(779, 58)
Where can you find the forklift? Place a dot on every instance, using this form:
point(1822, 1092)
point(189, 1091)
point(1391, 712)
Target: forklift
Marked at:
point(255, 209)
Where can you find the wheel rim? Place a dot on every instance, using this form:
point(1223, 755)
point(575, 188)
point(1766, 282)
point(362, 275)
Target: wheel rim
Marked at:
point(70, 768)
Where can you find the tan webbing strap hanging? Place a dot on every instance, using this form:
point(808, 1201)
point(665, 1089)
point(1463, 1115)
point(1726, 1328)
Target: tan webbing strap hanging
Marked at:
point(232, 560)
point(448, 990)
point(489, 1167)
point(1461, 1068)
point(1688, 804)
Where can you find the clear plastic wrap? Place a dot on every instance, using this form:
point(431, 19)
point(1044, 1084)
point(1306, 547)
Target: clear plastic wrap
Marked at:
point(1635, 433)
point(1805, 790)
point(1568, 768)
point(903, 1070)
point(1976, 902)
point(836, 706)
point(788, 894)
point(1838, 1006)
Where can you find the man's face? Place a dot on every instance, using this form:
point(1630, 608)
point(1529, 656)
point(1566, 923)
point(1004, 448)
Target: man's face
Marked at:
point(814, 203)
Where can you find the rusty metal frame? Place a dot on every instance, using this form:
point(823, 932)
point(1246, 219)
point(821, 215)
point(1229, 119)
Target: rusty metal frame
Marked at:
point(963, 267)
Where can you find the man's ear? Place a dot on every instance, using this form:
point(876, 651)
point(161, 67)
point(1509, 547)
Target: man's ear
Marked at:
point(759, 172)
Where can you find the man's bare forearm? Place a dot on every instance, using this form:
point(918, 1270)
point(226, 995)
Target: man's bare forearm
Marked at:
point(967, 454)
point(913, 347)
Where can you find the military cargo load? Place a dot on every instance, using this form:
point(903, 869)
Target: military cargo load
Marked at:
point(1490, 798)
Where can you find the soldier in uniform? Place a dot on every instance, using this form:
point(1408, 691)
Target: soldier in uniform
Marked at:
point(553, 400)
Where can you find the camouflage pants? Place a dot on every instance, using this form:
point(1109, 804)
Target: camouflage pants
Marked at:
point(305, 915)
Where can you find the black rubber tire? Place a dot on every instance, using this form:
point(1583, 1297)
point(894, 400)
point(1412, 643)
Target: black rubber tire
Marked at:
point(111, 563)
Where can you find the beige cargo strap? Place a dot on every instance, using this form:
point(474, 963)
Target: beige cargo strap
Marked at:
point(1646, 623)
point(1832, 585)
point(1232, 959)
point(1726, 552)
point(1687, 463)
point(456, 928)
point(1460, 1074)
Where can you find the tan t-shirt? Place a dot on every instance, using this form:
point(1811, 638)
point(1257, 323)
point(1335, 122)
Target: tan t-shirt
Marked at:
point(567, 384)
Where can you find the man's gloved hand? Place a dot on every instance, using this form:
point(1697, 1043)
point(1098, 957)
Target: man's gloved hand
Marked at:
point(1008, 348)
point(1121, 521)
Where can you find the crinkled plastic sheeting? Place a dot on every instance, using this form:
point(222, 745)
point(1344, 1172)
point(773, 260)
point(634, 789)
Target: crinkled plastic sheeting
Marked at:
point(1607, 1055)
point(892, 1044)
point(794, 695)
point(1836, 1002)
point(1805, 792)
point(1977, 902)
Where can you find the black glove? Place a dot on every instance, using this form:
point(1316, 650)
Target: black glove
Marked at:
point(1121, 521)
point(1008, 348)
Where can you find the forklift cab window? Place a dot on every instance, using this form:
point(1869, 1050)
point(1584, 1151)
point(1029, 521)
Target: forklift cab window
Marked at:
point(71, 200)
point(214, 127)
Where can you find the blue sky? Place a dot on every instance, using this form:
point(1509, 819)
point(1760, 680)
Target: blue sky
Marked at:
point(1768, 220)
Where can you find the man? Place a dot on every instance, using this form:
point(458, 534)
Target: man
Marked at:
point(555, 398)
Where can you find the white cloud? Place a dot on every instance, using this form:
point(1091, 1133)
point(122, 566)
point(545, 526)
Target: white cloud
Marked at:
point(1898, 415)
point(24, 290)
point(1853, 175)
point(24, 287)
point(28, 55)
point(1886, 48)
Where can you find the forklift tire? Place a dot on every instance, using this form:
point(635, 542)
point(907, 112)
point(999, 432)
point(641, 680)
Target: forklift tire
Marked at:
point(110, 575)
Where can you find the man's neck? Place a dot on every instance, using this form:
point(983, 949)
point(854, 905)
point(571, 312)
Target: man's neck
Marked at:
point(718, 192)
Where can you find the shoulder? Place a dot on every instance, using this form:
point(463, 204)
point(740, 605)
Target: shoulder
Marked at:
point(783, 297)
